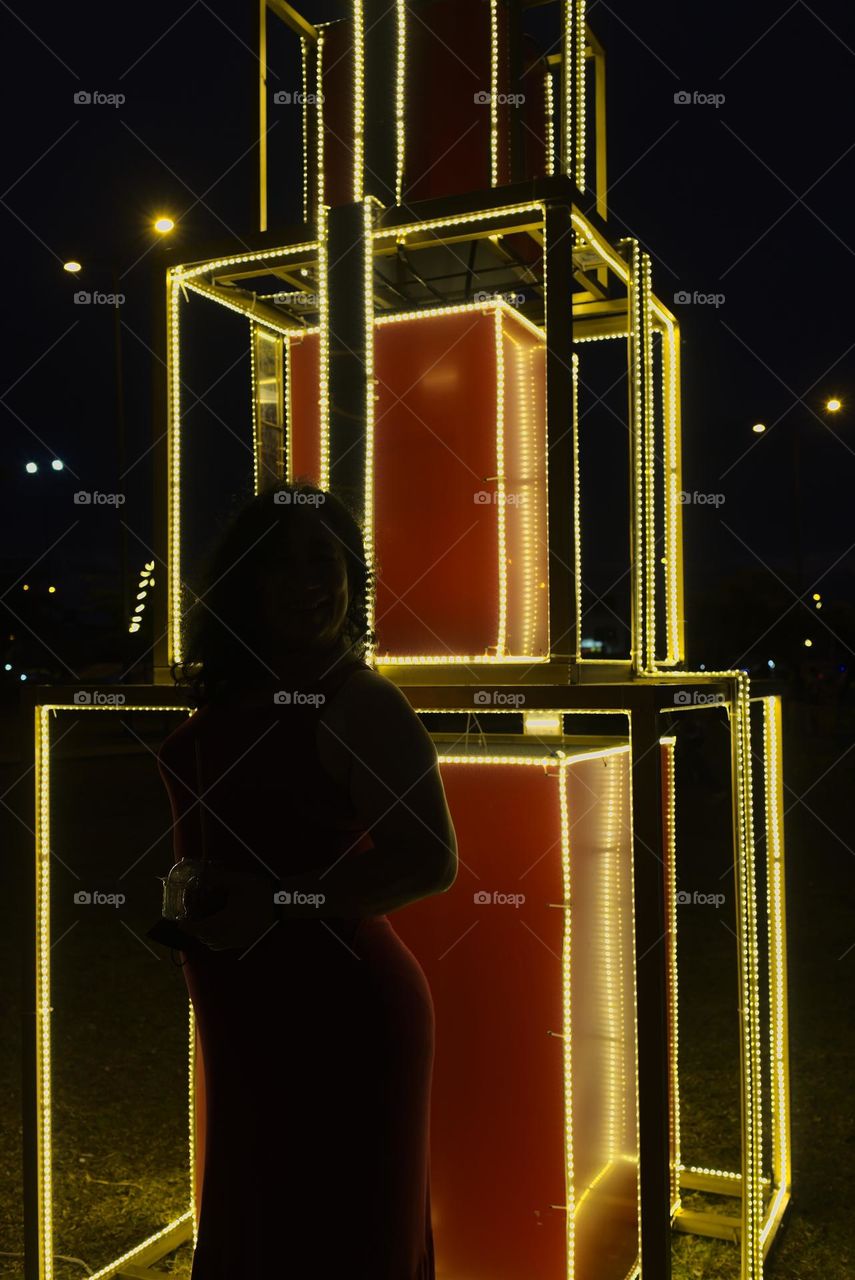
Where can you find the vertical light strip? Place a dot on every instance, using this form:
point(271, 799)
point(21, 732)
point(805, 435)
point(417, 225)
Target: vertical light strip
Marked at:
point(370, 393)
point(630, 824)
point(358, 28)
point(751, 1081)
point(549, 89)
point(401, 103)
point(304, 65)
point(253, 377)
point(674, 1049)
point(776, 899)
point(501, 496)
point(191, 1111)
point(636, 357)
point(573, 61)
point(673, 485)
point(581, 67)
point(173, 481)
point(566, 1024)
point(43, 1008)
point(649, 419)
point(494, 93)
point(577, 508)
point(323, 288)
point(288, 467)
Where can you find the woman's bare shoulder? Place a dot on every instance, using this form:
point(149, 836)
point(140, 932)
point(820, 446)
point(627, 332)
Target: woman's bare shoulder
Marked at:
point(366, 690)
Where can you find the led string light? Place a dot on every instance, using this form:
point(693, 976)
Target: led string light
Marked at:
point(673, 1002)
point(636, 356)
point(323, 291)
point(256, 433)
point(633, 961)
point(549, 89)
point(358, 28)
point(173, 365)
point(288, 406)
point(675, 649)
point(43, 1009)
point(144, 585)
point(567, 1028)
point(370, 393)
point(401, 101)
point(191, 1114)
point(577, 508)
point(457, 220)
point(773, 784)
point(191, 272)
point(494, 93)
point(649, 467)
point(498, 332)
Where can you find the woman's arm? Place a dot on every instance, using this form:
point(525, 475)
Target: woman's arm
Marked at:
point(373, 743)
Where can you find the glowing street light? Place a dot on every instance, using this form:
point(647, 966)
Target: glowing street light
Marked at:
point(57, 464)
point(31, 468)
point(164, 225)
point(73, 266)
point(808, 644)
point(759, 428)
point(834, 405)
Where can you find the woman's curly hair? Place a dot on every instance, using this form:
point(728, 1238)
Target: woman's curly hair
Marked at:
point(225, 642)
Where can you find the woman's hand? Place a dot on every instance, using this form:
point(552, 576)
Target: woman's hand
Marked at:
point(246, 917)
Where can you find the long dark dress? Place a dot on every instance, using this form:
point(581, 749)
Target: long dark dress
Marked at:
point(317, 1042)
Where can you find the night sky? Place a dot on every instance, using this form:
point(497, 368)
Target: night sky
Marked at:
point(747, 199)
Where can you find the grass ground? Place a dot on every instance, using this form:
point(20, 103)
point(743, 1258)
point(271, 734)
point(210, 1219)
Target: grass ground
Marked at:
point(120, 1177)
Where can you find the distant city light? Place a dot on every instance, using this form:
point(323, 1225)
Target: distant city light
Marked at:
point(771, 664)
point(51, 590)
point(817, 596)
point(23, 676)
point(808, 644)
point(26, 586)
point(759, 427)
point(57, 464)
point(8, 666)
point(31, 468)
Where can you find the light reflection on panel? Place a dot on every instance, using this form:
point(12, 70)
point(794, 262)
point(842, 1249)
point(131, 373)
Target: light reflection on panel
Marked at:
point(503, 1072)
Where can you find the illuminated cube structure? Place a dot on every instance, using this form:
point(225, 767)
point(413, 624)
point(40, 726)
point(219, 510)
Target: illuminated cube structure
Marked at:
point(419, 345)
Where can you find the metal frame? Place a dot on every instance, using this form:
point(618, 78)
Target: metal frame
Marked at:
point(642, 702)
point(357, 239)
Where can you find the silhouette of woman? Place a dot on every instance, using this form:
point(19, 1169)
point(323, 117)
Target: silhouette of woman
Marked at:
point(323, 810)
